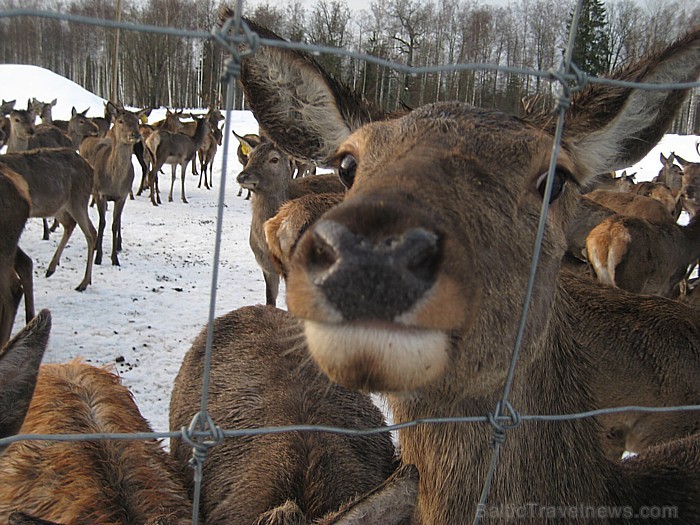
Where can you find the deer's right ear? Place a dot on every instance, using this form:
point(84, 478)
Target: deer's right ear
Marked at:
point(302, 108)
point(19, 367)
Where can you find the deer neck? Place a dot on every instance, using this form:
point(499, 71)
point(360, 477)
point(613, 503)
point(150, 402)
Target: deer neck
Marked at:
point(119, 160)
point(14, 143)
point(540, 463)
point(692, 235)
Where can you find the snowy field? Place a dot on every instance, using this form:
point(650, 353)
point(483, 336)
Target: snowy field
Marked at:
point(139, 318)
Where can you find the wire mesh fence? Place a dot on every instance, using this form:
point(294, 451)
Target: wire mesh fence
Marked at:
point(236, 37)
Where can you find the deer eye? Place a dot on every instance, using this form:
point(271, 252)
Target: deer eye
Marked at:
point(560, 178)
point(274, 160)
point(347, 169)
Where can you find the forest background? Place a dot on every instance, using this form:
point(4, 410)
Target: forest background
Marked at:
point(154, 70)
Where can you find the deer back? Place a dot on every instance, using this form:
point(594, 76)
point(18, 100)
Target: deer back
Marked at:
point(103, 482)
point(261, 376)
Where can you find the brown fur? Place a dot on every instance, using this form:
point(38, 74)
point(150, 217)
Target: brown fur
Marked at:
point(19, 365)
point(631, 204)
point(60, 184)
point(268, 175)
point(365, 279)
point(262, 376)
point(114, 173)
point(100, 482)
point(690, 192)
point(16, 204)
point(643, 256)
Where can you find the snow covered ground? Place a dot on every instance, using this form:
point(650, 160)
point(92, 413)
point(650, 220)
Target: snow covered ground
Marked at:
point(140, 317)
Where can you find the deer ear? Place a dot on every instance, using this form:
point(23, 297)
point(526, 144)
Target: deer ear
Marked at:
point(19, 365)
point(610, 128)
point(300, 106)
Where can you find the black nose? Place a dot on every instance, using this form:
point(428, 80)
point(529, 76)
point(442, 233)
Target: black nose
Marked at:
point(372, 279)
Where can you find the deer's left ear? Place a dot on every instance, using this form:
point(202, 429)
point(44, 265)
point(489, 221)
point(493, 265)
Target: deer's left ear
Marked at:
point(301, 107)
point(610, 128)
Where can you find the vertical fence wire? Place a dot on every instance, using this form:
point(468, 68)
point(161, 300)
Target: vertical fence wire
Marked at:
point(203, 433)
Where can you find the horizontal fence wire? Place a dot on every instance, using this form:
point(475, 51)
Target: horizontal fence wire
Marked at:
point(240, 42)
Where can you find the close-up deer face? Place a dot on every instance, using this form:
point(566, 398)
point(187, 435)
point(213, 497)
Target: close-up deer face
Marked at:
point(439, 211)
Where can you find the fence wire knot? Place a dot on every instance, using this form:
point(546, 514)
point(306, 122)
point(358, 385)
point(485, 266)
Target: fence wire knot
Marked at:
point(500, 427)
point(239, 40)
point(201, 444)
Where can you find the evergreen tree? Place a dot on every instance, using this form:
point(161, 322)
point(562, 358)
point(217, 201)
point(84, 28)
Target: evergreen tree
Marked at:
point(592, 46)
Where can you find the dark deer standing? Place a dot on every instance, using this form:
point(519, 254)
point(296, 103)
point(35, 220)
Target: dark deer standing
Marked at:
point(15, 203)
point(114, 173)
point(60, 184)
point(268, 175)
point(402, 290)
point(176, 149)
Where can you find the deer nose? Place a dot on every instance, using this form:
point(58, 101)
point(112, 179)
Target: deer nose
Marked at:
point(372, 279)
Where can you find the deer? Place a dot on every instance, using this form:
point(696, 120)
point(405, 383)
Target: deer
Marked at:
point(243, 151)
point(60, 184)
point(670, 173)
point(81, 126)
point(401, 291)
point(16, 203)
point(24, 135)
point(213, 116)
point(662, 193)
point(6, 108)
point(206, 155)
point(690, 192)
point(268, 176)
point(44, 110)
point(643, 256)
point(97, 481)
point(176, 149)
point(114, 173)
point(261, 376)
point(600, 313)
point(20, 359)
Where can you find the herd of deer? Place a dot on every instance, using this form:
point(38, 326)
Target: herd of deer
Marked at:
point(413, 291)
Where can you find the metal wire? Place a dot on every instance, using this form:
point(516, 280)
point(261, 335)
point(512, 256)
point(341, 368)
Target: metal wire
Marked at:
point(239, 41)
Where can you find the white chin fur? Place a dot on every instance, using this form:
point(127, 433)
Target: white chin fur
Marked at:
point(377, 358)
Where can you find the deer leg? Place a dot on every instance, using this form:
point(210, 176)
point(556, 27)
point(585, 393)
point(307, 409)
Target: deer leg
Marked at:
point(102, 210)
point(172, 183)
point(54, 226)
point(272, 285)
point(45, 236)
point(90, 235)
point(116, 229)
point(24, 269)
point(153, 185)
point(68, 227)
point(10, 295)
point(182, 176)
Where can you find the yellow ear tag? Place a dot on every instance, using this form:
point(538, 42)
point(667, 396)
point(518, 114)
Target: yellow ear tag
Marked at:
point(144, 119)
point(245, 149)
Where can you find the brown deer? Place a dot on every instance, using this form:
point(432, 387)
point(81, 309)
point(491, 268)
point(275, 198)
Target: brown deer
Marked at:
point(411, 290)
point(662, 193)
point(60, 184)
point(268, 175)
point(206, 155)
point(176, 149)
point(44, 110)
point(261, 376)
point(99, 481)
point(15, 203)
point(620, 329)
point(690, 192)
point(81, 126)
point(213, 116)
point(19, 366)
point(643, 256)
point(670, 173)
point(242, 152)
point(114, 173)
